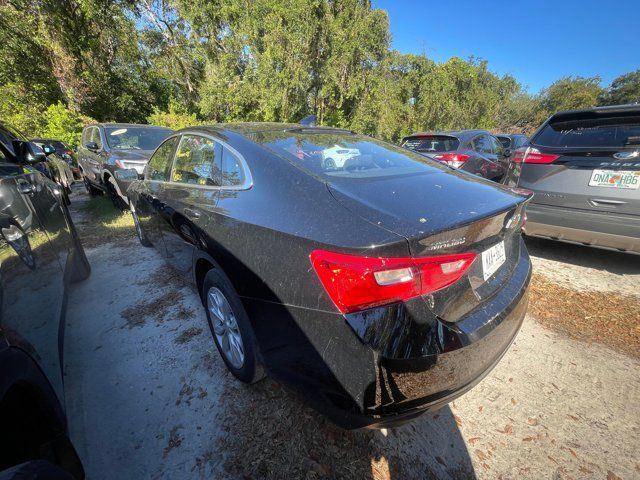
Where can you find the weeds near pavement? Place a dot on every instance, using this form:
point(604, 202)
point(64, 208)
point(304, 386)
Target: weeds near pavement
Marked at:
point(103, 223)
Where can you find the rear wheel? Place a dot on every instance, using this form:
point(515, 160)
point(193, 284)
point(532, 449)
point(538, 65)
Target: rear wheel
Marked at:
point(230, 328)
point(330, 164)
point(91, 190)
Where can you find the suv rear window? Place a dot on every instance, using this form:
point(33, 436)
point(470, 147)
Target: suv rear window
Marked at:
point(343, 155)
point(609, 132)
point(431, 143)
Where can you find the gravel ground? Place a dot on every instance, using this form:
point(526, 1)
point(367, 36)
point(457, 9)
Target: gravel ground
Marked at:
point(584, 268)
point(148, 396)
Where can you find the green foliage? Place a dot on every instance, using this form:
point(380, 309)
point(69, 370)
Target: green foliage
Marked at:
point(182, 62)
point(62, 124)
point(624, 89)
point(175, 118)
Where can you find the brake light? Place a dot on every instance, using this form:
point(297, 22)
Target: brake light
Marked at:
point(355, 283)
point(455, 160)
point(532, 155)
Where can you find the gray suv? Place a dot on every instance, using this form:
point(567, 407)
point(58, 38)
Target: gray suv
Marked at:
point(108, 147)
point(584, 168)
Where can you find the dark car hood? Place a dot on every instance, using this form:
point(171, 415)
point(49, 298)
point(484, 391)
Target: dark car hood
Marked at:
point(424, 204)
point(133, 155)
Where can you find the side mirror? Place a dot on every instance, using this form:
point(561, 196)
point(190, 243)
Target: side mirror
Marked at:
point(93, 146)
point(126, 175)
point(27, 152)
point(48, 149)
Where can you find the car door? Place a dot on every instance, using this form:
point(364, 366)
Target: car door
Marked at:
point(150, 204)
point(192, 191)
point(489, 167)
point(31, 275)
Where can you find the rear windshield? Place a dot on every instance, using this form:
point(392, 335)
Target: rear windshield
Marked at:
point(135, 138)
point(600, 132)
point(432, 143)
point(343, 155)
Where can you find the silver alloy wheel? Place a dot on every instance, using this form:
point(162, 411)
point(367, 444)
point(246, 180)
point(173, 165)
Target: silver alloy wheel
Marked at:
point(225, 327)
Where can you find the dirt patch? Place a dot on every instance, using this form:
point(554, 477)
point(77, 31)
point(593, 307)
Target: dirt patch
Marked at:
point(611, 319)
point(188, 335)
point(157, 308)
point(102, 223)
point(272, 435)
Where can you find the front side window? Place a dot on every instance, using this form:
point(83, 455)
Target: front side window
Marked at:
point(195, 161)
point(160, 163)
point(135, 138)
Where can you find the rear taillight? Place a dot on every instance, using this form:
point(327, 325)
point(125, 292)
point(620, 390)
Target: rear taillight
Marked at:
point(532, 155)
point(356, 283)
point(455, 160)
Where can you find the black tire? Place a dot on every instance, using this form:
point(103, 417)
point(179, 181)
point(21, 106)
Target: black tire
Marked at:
point(141, 235)
point(251, 370)
point(91, 190)
point(330, 164)
point(117, 200)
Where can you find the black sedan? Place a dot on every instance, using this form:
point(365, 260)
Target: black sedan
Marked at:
point(377, 290)
point(473, 151)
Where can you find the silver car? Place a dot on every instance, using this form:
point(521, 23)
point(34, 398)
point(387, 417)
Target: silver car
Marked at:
point(584, 168)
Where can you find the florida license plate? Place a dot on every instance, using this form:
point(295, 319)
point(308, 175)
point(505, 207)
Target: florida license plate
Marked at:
point(614, 179)
point(492, 259)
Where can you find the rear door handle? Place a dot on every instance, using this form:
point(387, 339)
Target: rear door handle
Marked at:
point(25, 187)
point(191, 213)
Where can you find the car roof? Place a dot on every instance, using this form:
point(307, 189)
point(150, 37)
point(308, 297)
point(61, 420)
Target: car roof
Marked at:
point(460, 134)
point(126, 125)
point(595, 112)
point(40, 139)
point(248, 128)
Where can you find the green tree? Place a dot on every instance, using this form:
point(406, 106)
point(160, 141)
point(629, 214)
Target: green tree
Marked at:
point(571, 93)
point(624, 89)
point(62, 124)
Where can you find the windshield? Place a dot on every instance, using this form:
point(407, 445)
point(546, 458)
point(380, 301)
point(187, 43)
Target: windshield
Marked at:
point(136, 138)
point(432, 143)
point(601, 132)
point(342, 155)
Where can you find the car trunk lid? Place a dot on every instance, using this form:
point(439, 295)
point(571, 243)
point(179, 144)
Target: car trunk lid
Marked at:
point(446, 213)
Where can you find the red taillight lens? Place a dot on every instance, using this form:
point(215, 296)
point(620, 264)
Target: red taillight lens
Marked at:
point(532, 155)
point(453, 159)
point(356, 283)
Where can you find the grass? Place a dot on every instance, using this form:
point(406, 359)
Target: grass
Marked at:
point(103, 223)
point(607, 318)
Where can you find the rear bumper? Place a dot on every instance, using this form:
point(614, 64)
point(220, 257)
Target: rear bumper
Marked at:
point(387, 365)
point(596, 229)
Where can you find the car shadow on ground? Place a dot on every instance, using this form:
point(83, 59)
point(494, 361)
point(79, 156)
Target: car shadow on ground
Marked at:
point(614, 262)
point(272, 434)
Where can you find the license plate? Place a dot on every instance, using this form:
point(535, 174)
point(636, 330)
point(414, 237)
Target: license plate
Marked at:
point(492, 260)
point(613, 179)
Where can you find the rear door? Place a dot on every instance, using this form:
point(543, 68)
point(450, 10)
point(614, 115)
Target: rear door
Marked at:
point(193, 188)
point(587, 162)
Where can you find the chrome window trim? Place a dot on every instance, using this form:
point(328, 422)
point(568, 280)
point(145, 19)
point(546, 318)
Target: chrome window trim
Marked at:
point(248, 178)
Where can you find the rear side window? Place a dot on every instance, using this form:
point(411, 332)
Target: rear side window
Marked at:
point(584, 133)
point(483, 144)
point(160, 163)
point(231, 172)
point(432, 143)
point(195, 161)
